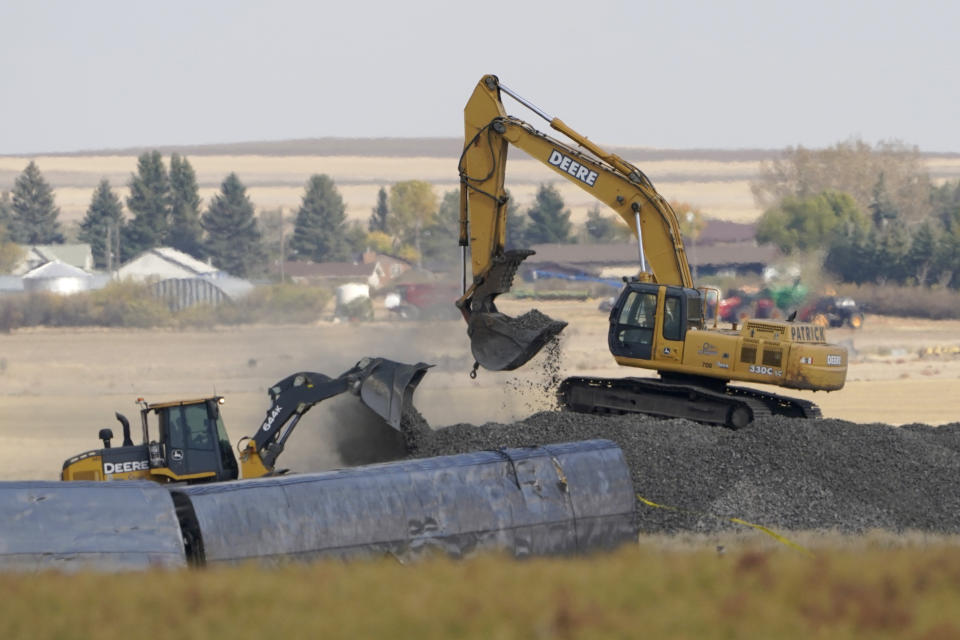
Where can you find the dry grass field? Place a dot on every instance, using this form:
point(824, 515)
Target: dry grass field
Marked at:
point(277, 181)
point(718, 182)
point(640, 592)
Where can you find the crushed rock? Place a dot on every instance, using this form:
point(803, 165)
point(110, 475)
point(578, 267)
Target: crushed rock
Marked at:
point(781, 472)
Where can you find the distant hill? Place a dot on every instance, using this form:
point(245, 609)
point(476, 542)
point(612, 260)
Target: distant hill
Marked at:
point(402, 148)
point(412, 148)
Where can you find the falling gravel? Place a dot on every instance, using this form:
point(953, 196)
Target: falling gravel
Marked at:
point(781, 472)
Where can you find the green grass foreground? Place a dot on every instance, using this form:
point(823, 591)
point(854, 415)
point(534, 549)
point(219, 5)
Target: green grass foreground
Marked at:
point(651, 591)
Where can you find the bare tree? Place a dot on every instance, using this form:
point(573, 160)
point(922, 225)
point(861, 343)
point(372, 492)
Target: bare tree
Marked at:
point(852, 167)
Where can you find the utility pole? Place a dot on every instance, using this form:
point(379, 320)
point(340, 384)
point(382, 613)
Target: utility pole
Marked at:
point(282, 251)
point(109, 246)
point(693, 243)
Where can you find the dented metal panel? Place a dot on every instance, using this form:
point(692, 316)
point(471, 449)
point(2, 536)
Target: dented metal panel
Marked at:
point(102, 525)
point(554, 499)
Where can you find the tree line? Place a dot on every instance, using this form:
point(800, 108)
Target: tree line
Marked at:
point(870, 214)
point(163, 208)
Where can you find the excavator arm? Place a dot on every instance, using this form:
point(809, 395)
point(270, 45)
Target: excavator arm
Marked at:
point(385, 386)
point(498, 341)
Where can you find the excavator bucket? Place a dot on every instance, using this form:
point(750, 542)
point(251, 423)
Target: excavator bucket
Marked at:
point(387, 387)
point(500, 342)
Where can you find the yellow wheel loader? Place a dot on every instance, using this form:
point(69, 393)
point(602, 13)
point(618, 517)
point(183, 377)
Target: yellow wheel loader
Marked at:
point(185, 440)
point(660, 319)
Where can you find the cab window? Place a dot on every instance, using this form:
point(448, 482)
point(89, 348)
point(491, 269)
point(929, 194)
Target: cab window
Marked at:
point(672, 321)
point(637, 320)
point(640, 310)
point(187, 427)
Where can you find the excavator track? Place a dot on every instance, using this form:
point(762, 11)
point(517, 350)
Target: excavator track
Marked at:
point(728, 406)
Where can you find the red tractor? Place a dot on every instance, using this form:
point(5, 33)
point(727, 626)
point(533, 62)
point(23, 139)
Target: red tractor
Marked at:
point(740, 304)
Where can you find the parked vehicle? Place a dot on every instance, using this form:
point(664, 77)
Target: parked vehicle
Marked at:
point(740, 304)
point(833, 311)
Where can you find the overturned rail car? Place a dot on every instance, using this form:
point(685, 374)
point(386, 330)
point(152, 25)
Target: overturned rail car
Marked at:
point(68, 526)
point(553, 499)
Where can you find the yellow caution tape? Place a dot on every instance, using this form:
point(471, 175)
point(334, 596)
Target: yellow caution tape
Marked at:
point(759, 527)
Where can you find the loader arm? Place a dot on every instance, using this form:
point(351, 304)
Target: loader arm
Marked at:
point(483, 205)
point(384, 386)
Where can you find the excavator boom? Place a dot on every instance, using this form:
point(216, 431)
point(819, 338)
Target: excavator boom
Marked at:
point(498, 341)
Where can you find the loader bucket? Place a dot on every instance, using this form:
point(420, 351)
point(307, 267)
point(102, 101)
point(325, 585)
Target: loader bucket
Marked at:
point(500, 342)
point(387, 387)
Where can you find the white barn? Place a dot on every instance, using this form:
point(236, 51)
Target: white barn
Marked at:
point(164, 263)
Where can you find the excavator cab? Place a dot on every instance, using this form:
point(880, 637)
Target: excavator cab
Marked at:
point(650, 321)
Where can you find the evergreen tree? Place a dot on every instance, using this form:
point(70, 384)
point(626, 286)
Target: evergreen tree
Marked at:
point(851, 256)
point(921, 258)
point(881, 206)
point(516, 224)
point(892, 247)
point(948, 258)
point(185, 232)
point(149, 202)
point(6, 210)
point(10, 252)
point(946, 204)
point(379, 216)
point(33, 218)
point(549, 221)
point(100, 227)
point(604, 229)
point(233, 238)
point(319, 233)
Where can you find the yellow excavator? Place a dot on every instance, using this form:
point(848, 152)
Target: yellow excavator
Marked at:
point(185, 441)
point(659, 321)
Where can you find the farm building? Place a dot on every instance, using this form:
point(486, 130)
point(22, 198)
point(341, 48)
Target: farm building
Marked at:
point(76, 255)
point(723, 247)
point(335, 273)
point(182, 293)
point(164, 263)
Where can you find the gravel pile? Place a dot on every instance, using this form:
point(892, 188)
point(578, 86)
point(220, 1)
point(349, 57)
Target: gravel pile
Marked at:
point(781, 472)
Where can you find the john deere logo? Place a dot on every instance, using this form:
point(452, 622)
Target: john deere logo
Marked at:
point(574, 168)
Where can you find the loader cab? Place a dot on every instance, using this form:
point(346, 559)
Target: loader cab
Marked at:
point(193, 443)
point(649, 318)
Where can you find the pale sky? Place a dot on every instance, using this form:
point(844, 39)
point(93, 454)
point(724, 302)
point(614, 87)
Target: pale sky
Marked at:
point(101, 74)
